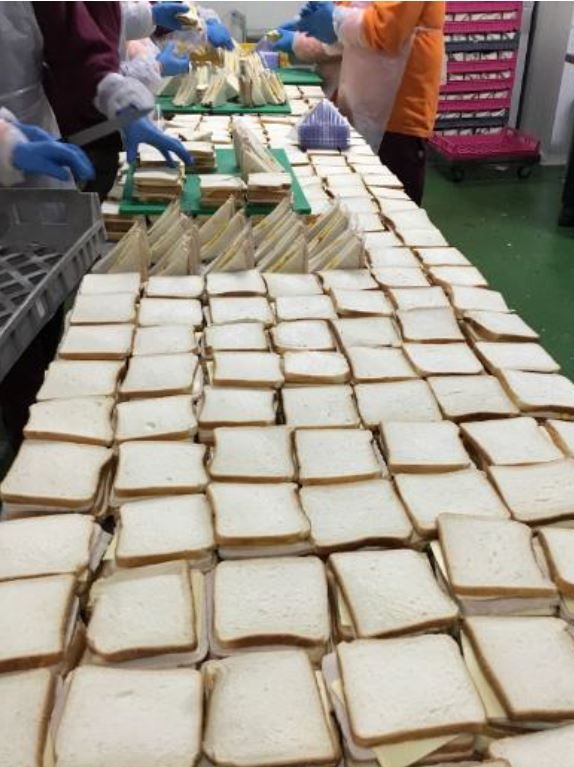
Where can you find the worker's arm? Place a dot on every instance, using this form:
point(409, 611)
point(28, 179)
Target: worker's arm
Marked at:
point(386, 26)
point(309, 50)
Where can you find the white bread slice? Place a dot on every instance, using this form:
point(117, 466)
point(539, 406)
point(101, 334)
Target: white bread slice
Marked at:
point(291, 284)
point(190, 286)
point(159, 468)
point(391, 593)
point(330, 456)
point(500, 326)
point(429, 325)
point(170, 311)
point(384, 257)
point(316, 367)
point(378, 364)
point(253, 454)
point(314, 407)
point(540, 392)
point(112, 309)
point(538, 749)
point(304, 308)
point(442, 257)
point(262, 514)
point(282, 719)
point(87, 420)
point(421, 237)
point(512, 441)
point(396, 401)
point(361, 303)
point(355, 514)
point(240, 336)
point(443, 359)
point(280, 600)
point(34, 620)
point(128, 706)
point(463, 398)
point(406, 299)
point(401, 277)
point(226, 406)
point(164, 339)
point(530, 664)
point(159, 376)
point(466, 276)
point(59, 475)
point(250, 309)
point(491, 557)
point(366, 331)
point(66, 379)
point(106, 284)
point(562, 432)
point(165, 528)
point(249, 369)
point(96, 342)
point(532, 357)
point(471, 299)
point(347, 279)
point(459, 492)
point(537, 494)
point(423, 447)
point(302, 335)
point(158, 418)
point(26, 700)
point(47, 545)
point(390, 688)
point(558, 545)
point(246, 283)
point(145, 611)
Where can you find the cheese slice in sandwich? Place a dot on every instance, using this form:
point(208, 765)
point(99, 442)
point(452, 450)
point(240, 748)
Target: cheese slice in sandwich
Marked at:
point(158, 418)
point(391, 593)
point(35, 621)
point(410, 400)
point(164, 339)
point(458, 492)
point(247, 369)
point(412, 447)
point(361, 303)
point(355, 514)
point(537, 749)
point(315, 407)
point(249, 309)
point(170, 311)
point(163, 529)
point(110, 713)
point(291, 284)
point(246, 283)
point(390, 690)
point(103, 309)
point(300, 335)
point(379, 364)
point(48, 545)
point(26, 700)
point(85, 420)
point(58, 476)
point(67, 379)
point(531, 357)
point(283, 719)
point(106, 284)
point(253, 454)
point(510, 442)
point(143, 612)
point(429, 325)
point(540, 393)
point(348, 279)
point(469, 299)
point(499, 326)
point(434, 359)
point(463, 398)
point(316, 367)
point(190, 286)
point(406, 299)
point(487, 559)
point(366, 331)
point(330, 456)
point(159, 376)
point(96, 342)
point(530, 664)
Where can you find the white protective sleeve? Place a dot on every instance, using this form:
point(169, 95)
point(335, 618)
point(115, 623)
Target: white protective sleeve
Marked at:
point(10, 135)
point(137, 19)
point(117, 92)
point(141, 64)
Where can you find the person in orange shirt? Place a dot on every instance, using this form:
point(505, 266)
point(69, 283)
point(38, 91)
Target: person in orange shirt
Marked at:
point(391, 70)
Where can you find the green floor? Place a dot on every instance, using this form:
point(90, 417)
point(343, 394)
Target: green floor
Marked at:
point(507, 227)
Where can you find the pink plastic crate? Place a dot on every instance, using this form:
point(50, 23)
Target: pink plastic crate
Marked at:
point(486, 65)
point(478, 86)
point(474, 105)
point(481, 27)
point(509, 143)
point(484, 7)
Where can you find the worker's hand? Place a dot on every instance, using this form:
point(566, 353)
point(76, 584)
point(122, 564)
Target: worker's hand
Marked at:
point(285, 42)
point(52, 158)
point(316, 20)
point(218, 35)
point(172, 63)
point(143, 131)
point(165, 14)
point(290, 25)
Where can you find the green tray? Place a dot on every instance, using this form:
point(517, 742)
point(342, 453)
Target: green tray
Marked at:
point(230, 108)
point(191, 199)
point(299, 76)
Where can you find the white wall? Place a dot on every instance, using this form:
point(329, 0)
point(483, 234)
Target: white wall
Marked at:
point(261, 16)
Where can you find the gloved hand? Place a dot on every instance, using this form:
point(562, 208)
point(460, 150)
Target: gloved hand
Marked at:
point(285, 42)
point(316, 20)
point(51, 158)
point(164, 14)
point(218, 35)
point(143, 131)
point(291, 25)
point(171, 62)
point(33, 133)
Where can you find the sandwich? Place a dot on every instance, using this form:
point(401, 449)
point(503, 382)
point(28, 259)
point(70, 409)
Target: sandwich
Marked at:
point(347, 279)
point(562, 433)
point(164, 339)
point(117, 308)
point(268, 187)
point(235, 336)
point(247, 369)
point(131, 254)
point(227, 406)
point(333, 455)
point(241, 283)
point(290, 284)
point(361, 303)
point(510, 442)
point(441, 257)
point(468, 299)
point(252, 454)
point(379, 364)
point(438, 359)
point(160, 376)
point(69, 379)
point(304, 308)
point(158, 184)
point(84, 420)
point(411, 447)
point(158, 418)
point(508, 355)
point(223, 311)
point(449, 276)
point(429, 325)
point(553, 746)
point(170, 311)
point(216, 188)
point(315, 407)
point(540, 394)
point(311, 367)
point(106, 284)
point(366, 331)
point(406, 299)
point(97, 342)
point(498, 326)
point(302, 335)
point(400, 277)
point(381, 256)
point(465, 398)
point(410, 400)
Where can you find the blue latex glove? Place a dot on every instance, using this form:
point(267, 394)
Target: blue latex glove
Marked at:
point(172, 63)
point(52, 158)
point(285, 42)
point(290, 25)
point(316, 20)
point(218, 35)
point(143, 131)
point(164, 14)
point(33, 133)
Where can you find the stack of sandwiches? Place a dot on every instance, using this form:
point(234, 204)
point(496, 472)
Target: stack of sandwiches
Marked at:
point(216, 189)
point(158, 185)
point(268, 188)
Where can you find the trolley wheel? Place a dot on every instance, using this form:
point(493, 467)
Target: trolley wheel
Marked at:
point(524, 171)
point(457, 174)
